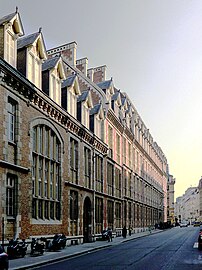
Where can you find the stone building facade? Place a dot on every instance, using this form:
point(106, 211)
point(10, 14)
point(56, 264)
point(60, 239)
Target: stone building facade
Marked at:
point(75, 156)
point(187, 206)
point(170, 199)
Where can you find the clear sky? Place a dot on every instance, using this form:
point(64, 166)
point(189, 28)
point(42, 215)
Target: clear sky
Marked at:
point(153, 51)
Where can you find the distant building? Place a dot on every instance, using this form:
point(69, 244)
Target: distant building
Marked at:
point(170, 199)
point(187, 206)
point(200, 198)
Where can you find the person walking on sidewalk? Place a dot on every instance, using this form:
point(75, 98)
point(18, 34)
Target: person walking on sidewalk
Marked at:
point(109, 233)
point(124, 232)
point(129, 230)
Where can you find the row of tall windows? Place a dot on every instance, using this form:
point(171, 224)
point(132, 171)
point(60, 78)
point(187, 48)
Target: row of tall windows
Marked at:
point(46, 174)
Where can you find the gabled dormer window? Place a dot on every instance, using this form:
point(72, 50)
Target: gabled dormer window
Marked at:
point(99, 123)
point(31, 54)
point(109, 94)
point(55, 87)
point(85, 115)
point(116, 103)
point(70, 92)
point(72, 102)
point(53, 73)
point(84, 104)
point(34, 69)
point(128, 118)
point(10, 48)
point(10, 28)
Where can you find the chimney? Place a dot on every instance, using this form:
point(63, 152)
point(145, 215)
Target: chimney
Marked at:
point(99, 74)
point(82, 65)
point(90, 73)
point(67, 51)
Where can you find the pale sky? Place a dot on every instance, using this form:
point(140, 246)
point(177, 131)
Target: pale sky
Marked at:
point(153, 51)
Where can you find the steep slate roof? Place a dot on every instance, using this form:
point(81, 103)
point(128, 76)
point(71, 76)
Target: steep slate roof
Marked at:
point(83, 96)
point(7, 18)
point(123, 99)
point(69, 81)
point(4, 20)
point(95, 109)
point(28, 40)
point(105, 84)
point(115, 96)
point(50, 63)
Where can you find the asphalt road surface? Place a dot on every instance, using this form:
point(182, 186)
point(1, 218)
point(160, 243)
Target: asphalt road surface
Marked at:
point(173, 249)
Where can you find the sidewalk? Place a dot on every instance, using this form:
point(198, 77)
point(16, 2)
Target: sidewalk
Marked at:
point(70, 251)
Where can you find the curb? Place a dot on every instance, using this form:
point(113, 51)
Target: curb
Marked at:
point(54, 260)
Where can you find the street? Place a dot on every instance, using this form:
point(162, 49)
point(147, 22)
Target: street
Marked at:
point(172, 249)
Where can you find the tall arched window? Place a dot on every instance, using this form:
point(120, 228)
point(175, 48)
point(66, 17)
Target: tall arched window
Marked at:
point(46, 173)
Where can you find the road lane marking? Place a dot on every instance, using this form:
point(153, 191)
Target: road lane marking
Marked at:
point(195, 245)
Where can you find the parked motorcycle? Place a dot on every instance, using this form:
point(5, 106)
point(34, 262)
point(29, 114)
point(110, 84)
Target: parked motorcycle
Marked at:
point(200, 240)
point(107, 235)
point(17, 248)
point(58, 242)
point(3, 259)
point(37, 246)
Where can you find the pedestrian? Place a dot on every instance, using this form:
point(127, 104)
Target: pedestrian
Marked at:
point(129, 230)
point(124, 232)
point(109, 233)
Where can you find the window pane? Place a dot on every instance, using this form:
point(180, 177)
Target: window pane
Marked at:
point(10, 196)
point(11, 120)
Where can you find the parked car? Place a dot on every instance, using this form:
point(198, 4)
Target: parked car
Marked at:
point(197, 224)
point(183, 224)
point(3, 259)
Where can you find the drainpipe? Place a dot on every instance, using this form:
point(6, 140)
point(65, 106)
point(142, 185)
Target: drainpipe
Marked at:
point(3, 225)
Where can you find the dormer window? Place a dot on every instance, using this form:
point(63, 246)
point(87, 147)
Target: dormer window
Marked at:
point(85, 115)
point(10, 29)
point(98, 126)
point(116, 103)
point(70, 91)
point(84, 104)
point(34, 69)
point(96, 120)
point(53, 73)
point(55, 85)
point(10, 49)
point(72, 103)
point(128, 117)
point(31, 53)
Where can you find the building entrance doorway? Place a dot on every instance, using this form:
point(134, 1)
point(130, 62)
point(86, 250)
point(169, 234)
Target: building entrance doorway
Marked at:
point(87, 221)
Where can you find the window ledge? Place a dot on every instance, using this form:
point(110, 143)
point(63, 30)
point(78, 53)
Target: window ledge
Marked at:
point(14, 166)
point(10, 218)
point(46, 221)
point(12, 143)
